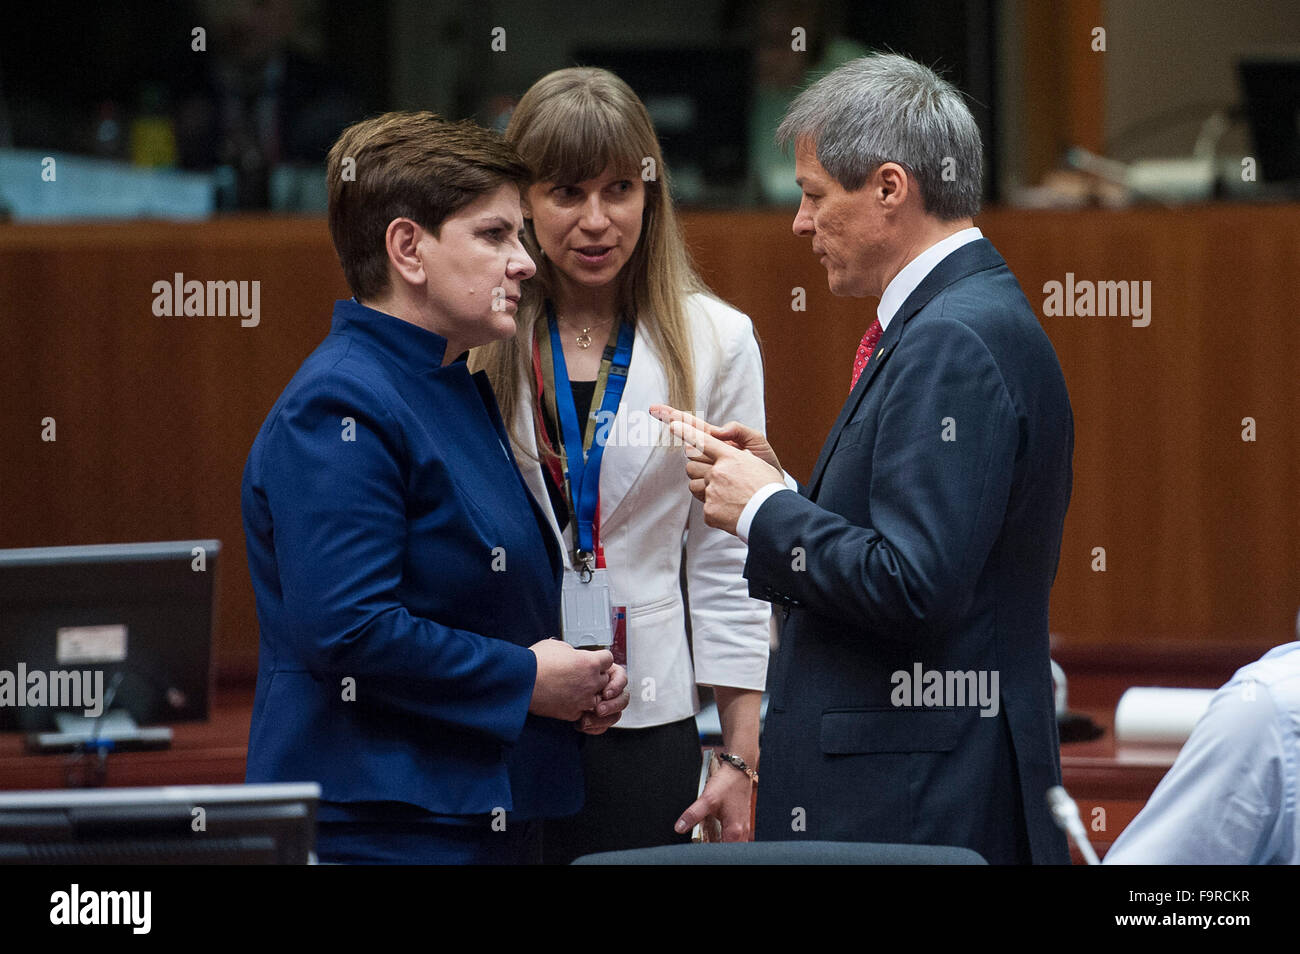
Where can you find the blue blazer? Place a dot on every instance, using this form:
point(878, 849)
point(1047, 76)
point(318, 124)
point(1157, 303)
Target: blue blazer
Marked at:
point(401, 570)
point(930, 533)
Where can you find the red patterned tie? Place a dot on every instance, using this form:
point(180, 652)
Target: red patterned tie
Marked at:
point(867, 346)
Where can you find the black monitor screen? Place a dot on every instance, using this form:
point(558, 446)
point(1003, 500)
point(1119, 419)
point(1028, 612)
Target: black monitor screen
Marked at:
point(129, 624)
point(1272, 93)
point(178, 824)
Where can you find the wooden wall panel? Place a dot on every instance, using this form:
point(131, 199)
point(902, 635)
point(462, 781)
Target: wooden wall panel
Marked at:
point(1201, 529)
point(1063, 87)
point(155, 415)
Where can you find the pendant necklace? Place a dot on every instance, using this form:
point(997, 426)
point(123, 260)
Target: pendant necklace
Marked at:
point(583, 338)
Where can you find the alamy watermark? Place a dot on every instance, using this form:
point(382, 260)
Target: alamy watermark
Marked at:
point(56, 689)
point(947, 689)
point(1086, 299)
point(76, 906)
point(180, 298)
point(633, 428)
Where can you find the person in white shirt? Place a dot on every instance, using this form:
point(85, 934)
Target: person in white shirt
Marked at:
point(1230, 796)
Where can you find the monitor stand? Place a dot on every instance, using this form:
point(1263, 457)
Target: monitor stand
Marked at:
point(115, 730)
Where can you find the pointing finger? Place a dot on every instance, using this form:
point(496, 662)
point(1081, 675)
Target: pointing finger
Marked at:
point(668, 414)
point(711, 447)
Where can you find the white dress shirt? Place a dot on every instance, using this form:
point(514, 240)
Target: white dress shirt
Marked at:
point(903, 284)
point(1230, 797)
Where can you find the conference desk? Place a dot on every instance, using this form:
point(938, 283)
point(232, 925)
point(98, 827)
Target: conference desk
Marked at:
point(202, 753)
point(1098, 774)
point(1109, 781)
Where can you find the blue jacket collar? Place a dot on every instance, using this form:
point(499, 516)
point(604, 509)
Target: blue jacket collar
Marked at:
point(413, 348)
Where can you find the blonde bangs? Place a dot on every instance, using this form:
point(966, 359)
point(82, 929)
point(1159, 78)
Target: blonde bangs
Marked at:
point(575, 135)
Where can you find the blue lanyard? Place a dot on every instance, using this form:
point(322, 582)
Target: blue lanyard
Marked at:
point(583, 468)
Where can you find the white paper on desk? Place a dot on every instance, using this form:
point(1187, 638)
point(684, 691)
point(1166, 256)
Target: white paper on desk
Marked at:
point(1159, 716)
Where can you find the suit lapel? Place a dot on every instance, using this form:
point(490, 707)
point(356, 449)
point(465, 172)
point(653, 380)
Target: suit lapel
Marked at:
point(973, 257)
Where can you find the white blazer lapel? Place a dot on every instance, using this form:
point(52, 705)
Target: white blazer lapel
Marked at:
point(634, 433)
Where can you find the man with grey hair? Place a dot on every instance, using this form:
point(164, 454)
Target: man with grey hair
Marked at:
point(916, 563)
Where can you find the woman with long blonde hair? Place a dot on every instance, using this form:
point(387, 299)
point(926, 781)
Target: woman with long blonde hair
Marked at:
point(617, 320)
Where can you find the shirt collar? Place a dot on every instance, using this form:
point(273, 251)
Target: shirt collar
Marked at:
point(914, 272)
point(410, 346)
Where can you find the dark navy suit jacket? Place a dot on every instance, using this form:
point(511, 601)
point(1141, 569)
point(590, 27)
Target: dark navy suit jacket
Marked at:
point(401, 570)
point(921, 549)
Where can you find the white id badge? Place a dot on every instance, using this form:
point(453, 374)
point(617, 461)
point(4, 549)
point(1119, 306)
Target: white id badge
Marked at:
point(588, 611)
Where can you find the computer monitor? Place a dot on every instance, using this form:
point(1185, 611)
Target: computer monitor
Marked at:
point(1271, 84)
point(181, 824)
point(96, 641)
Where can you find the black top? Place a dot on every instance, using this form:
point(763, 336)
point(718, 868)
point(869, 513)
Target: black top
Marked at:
point(583, 393)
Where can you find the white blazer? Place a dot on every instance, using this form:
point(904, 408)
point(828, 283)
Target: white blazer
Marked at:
point(648, 517)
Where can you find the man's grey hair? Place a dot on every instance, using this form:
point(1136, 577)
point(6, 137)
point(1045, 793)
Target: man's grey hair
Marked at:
point(886, 108)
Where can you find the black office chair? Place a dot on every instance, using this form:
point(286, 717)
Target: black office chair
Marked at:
point(787, 853)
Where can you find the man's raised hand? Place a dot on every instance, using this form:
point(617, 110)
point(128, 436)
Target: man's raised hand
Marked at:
point(721, 475)
point(739, 436)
